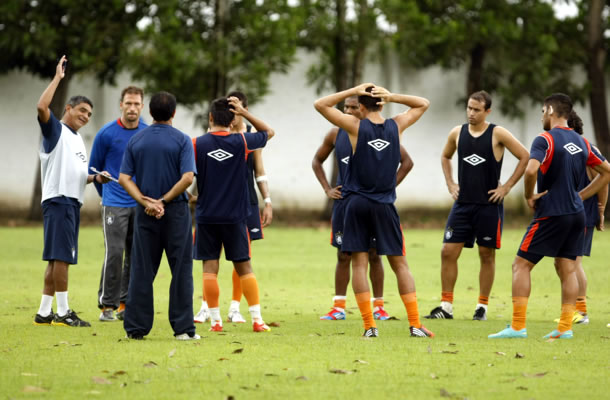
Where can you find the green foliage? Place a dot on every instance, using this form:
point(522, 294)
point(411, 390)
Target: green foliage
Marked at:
point(93, 35)
point(199, 51)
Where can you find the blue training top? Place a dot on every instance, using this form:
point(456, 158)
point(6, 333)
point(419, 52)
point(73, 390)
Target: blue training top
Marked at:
point(107, 155)
point(159, 155)
point(372, 167)
point(222, 179)
point(343, 151)
point(563, 156)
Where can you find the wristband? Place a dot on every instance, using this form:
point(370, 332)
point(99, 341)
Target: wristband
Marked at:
point(267, 200)
point(262, 178)
point(163, 201)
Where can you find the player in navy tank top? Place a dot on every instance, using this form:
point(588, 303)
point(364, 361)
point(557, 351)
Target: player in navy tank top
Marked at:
point(558, 161)
point(338, 140)
point(478, 211)
point(369, 188)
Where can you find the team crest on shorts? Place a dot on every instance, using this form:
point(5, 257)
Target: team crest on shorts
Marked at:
point(448, 233)
point(339, 238)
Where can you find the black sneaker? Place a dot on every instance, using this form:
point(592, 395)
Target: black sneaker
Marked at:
point(371, 332)
point(422, 331)
point(40, 320)
point(480, 314)
point(70, 319)
point(439, 313)
point(120, 314)
point(134, 336)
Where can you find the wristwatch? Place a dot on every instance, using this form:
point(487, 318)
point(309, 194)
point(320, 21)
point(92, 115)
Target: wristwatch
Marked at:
point(163, 201)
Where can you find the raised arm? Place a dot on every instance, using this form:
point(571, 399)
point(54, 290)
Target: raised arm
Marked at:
point(47, 96)
point(257, 123)
point(263, 187)
point(446, 156)
point(417, 106)
point(327, 146)
point(327, 107)
point(517, 150)
point(406, 165)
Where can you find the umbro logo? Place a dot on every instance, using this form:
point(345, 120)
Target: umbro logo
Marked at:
point(572, 148)
point(474, 159)
point(254, 230)
point(345, 160)
point(220, 155)
point(378, 144)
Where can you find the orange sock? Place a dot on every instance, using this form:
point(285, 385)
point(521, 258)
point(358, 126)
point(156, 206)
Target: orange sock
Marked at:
point(121, 307)
point(410, 301)
point(236, 286)
point(249, 285)
point(339, 302)
point(447, 296)
point(581, 304)
point(364, 304)
point(378, 302)
point(483, 299)
point(565, 321)
point(210, 289)
point(519, 312)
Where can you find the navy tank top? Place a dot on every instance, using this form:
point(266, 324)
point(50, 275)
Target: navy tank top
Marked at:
point(343, 151)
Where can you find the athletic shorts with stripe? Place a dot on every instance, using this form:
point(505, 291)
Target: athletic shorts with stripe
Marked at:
point(557, 236)
point(61, 221)
point(468, 222)
point(255, 228)
point(211, 238)
point(366, 222)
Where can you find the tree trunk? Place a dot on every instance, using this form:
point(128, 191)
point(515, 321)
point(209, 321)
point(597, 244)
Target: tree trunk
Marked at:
point(595, 71)
point(57, 106)
point(475, 70)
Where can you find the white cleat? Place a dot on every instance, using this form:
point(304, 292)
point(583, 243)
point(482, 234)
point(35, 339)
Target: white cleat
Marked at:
point(202, 316)
point(235, 316)
point(185, 336)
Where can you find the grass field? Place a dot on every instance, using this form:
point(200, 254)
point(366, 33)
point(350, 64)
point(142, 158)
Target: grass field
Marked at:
point(303, 357)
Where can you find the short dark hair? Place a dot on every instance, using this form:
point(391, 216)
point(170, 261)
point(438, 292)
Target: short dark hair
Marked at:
point(575, 122)
point(561, 103)
point(132, 90)
point(241, 96)
point(78, 99)
point(162, 106)
point(221, 112)
point(483, 97)
point(369, 102)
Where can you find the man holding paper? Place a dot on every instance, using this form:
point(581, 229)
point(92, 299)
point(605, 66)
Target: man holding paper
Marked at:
point(118, 208)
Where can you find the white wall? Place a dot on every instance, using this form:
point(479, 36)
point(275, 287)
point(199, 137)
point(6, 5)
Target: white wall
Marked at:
point(289, 110)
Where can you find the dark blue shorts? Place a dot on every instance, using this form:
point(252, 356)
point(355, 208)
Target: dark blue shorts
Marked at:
point(588, 241)
point(336, 221)
point(368, 223)
point(255, 228)
point(559, 236)
point(210, 239)
point(61, 218)
point(469, 221)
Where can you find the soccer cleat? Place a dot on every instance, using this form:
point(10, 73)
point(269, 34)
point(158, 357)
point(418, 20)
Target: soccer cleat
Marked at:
point(509, 333)
point(107, 315)
point(40, 320)
point(216, 327)
point(70, 319)
point(256, 327)
point(186, 336)
point(480, 314)
point(235, 316)
point(577, 318)
point(584, 320)
point(120, 314)
point(334, 315)
point(422, 331)
point(439, 313)
point(559, 335)
point(371, 332)
point(134, 336)
point(380, 314)
point(202, 316)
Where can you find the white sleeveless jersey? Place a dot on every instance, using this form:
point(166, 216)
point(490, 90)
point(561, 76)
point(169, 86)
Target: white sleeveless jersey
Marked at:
point(64, 170)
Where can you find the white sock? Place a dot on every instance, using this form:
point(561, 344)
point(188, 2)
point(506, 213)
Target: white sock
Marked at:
point(234, 306)
point(215, 315)
point(46, 305)
point(255, 313)
point(482, 305)
point(62, 303)
point(204, 305)
point(448, 307)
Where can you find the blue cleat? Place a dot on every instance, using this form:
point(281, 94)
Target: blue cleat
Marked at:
point(509, 333)
point(560, 335)
point(334, 315)
point(380, 314)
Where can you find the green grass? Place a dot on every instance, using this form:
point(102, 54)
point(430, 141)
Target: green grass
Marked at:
point(295, 272)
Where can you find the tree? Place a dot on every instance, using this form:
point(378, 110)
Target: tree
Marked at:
point(199, 50)
point(34, 34)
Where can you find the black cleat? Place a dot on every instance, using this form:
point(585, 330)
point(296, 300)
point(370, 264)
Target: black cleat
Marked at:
point(40, 320)
point(422, 331)
point(439, 313)
point(70, 319)
point(134, 336)
point(371, 332)
point(480, 314)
